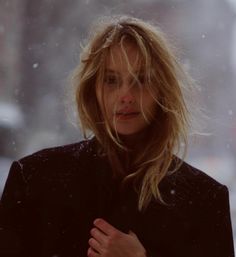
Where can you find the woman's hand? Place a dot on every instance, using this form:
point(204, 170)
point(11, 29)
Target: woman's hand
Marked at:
point(107, 241)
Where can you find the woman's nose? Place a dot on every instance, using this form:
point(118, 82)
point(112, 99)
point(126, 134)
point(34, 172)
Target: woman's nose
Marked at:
point(127, 97)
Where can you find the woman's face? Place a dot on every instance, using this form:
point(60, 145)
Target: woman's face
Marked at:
point(128, 105)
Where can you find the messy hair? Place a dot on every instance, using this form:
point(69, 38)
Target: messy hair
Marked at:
point(167, 83)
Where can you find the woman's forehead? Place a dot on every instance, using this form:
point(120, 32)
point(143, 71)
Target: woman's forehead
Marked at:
point(122, 57)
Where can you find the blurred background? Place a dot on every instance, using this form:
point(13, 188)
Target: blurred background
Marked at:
point(40, 46)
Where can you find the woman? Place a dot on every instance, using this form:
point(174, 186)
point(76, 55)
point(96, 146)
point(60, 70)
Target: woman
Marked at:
point(124, 192)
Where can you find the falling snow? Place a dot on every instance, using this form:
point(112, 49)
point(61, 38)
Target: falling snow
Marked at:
point(210, 55)
point(35, 65)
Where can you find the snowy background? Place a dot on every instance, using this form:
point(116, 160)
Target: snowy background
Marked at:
point(40, 45)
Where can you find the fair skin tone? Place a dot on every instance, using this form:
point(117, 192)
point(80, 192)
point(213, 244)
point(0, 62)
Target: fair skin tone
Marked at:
point(107, 241)
point(128, 106)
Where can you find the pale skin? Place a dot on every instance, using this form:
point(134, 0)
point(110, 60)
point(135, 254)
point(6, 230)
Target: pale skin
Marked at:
point(107, 241)
point(122, 94)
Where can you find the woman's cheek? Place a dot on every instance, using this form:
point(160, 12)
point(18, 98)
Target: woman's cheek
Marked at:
point(152, 112)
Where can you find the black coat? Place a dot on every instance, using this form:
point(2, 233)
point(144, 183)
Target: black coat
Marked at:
point(52, 197)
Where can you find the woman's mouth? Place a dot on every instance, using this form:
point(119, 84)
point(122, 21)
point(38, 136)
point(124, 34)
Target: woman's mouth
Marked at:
point(126, 115)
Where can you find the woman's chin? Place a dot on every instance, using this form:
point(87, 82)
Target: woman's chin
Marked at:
point(133, 135)
point(130, 131)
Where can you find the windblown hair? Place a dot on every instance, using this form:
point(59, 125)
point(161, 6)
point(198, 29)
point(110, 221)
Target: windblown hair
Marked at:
point(166, 82)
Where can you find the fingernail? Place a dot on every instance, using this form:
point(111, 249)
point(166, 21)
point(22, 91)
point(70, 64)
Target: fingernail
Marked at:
point(96, 221)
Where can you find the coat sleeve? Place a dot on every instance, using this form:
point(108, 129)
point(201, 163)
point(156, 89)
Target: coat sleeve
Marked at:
point(12, 218)
point(216, 229)
point(223, 226)
point(210, 231)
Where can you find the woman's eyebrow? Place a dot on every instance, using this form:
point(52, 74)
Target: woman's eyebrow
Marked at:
point(111, 71)
point(117, 72)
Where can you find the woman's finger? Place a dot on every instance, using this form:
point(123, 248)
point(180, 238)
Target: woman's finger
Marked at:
point(92, 253)
point(99, 236)
point(95, 245)
point(132, 234)
point(105, 227)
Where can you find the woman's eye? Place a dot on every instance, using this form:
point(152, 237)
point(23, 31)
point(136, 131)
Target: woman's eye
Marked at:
point(141, 79)
point(111, 80)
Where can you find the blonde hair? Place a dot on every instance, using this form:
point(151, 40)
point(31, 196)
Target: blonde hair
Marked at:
point(167, 83)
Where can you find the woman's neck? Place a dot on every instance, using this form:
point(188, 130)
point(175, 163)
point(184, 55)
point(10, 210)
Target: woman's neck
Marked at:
point(135, 141)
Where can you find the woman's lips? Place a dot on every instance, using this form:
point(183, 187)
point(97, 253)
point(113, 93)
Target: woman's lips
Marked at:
point(127, 115)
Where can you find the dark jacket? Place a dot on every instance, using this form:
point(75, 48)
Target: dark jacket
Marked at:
point(52, 197)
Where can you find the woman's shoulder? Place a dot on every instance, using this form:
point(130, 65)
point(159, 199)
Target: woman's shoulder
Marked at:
point(61, 159)
point(189, 182)
point(77, 149)
point(195, 176)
